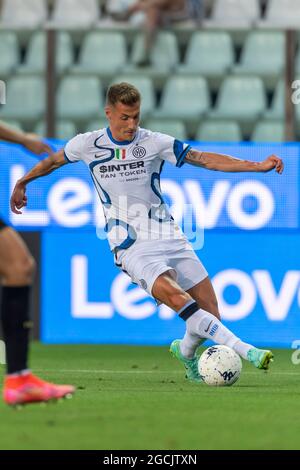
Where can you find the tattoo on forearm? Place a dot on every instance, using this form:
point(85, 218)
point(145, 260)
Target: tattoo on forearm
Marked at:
point(194, 156)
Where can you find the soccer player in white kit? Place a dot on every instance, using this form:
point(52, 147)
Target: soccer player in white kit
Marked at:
point(125, 162)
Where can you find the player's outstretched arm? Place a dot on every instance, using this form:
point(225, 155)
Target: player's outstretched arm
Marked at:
point(32, 143)
point(219, 162)
point(44, 167)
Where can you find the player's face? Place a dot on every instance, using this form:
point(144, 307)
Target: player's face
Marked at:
point(123, 120)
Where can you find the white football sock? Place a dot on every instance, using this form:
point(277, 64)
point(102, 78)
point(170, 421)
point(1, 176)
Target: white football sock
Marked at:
point(189, 344)
point(205, 325)
point(201, 325)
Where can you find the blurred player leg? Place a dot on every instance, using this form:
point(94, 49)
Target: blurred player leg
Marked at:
point(17, 270)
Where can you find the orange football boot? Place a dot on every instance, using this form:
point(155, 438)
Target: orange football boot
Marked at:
point(28, 388)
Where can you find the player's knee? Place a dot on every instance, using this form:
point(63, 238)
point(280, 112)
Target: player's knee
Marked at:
point(177, 298)
point(21, 271)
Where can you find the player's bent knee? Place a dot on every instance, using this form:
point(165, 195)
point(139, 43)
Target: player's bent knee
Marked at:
point(167, 291)
point(20, 272)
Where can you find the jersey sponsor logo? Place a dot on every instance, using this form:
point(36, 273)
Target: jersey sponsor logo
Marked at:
point(120, 167)
point(120, 154)
point(139, 152)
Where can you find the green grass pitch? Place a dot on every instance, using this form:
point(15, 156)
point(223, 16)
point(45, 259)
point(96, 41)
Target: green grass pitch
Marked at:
point(137, 398)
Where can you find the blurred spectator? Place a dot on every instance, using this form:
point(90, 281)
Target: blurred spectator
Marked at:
point(158, 14)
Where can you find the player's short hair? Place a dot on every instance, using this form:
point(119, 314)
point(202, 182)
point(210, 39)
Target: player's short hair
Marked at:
point(124, 93)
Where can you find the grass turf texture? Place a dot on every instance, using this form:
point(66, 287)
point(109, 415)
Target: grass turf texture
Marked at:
point(137, 398)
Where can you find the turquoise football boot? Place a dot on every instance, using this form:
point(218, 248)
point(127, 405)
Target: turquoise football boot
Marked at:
point(191, 365)
point(260, 358)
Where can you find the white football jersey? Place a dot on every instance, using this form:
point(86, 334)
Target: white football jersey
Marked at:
point(127, 178)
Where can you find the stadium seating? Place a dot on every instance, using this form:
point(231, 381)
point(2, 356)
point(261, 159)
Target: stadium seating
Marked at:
point(25, 99)
point(97, 43)
point(233, 13)
point(23, 13)
point(269, 131)
point(174, 127)
point(241, 98)
point(184, 98)
point(74, 14)
point(276, 110)
point(96, 124)
point(65, 130)
point(164, 56)
point(263, 54)
point(209, 54)
point(281, 14)
point(79, 98)
point(145, 86)
point(219, 131)
point(9, 53)
point(35, 62)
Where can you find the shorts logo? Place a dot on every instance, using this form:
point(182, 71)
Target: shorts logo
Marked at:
point(143, 283)
point(139, 152)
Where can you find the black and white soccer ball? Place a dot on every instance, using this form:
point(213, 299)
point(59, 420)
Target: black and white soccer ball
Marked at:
point(220, 366)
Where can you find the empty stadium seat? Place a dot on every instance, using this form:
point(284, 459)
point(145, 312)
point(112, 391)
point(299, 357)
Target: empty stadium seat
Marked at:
point(184, 98)
point(35, 62)
point(95, 124)
point(24, 13)
point(269, 131)
point(263, 54)
point(25, 100)
point(276, 110)
point(79, 98)
point(281, 14)
point(208, 53)
point(241, 98)
point(219, 131)
point(9, 53)
point(95, 45)
point(145, 87)
point(174, 127)
point(64, 130)
point(75, 13)
point(164, 56)
point(164, 53)
point(233, 13)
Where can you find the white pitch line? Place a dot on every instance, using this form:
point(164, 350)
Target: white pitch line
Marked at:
point(167, 372)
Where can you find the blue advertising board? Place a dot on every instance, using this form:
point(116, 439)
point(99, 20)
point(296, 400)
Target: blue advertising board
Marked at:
point(251, 250)
point(87, 299)
point(243, 201)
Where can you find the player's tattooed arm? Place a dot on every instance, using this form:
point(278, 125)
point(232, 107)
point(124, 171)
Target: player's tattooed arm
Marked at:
point(220, 162)
point(44, 167)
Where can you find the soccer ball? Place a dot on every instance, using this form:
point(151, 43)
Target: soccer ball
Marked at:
point(220, 366)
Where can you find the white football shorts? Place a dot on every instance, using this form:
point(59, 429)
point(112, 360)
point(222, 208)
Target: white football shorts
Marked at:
point(148, 259)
